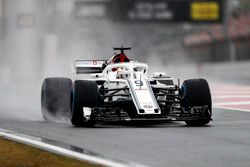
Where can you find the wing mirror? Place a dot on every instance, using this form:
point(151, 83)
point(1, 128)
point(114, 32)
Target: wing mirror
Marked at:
point(97, 75)
point(159, 75)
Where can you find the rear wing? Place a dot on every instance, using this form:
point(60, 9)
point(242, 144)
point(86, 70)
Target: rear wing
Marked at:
point(89, 66)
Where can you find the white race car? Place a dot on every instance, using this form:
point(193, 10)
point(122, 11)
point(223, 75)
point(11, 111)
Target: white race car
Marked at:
point(120, 89)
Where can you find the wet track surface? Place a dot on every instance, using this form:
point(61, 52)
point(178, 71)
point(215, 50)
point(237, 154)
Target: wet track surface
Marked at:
point(223, 143)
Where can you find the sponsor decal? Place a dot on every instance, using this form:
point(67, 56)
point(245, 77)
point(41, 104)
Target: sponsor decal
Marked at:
point(141, 89)
point(148, 106)
point(138, 82)
point(94, 62)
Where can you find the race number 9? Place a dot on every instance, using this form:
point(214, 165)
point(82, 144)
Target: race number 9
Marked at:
point(138, 83)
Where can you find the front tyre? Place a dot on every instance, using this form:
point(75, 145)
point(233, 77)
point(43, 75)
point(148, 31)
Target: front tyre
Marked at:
point(55, 98)
point(196, 93)
point(84, 94)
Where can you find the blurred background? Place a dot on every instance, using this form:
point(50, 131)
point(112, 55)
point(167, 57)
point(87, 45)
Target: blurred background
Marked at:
point(184, 38)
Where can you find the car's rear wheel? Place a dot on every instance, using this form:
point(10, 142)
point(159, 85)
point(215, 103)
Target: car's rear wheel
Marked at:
point(196, 92)
point(55, 98)
point(84, 94)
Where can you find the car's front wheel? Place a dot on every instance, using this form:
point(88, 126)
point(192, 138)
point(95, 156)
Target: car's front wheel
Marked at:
point(195, 93)
point(84, 94)
point(55, 98)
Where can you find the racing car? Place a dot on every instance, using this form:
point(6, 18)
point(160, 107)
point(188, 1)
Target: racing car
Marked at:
point(120, 89)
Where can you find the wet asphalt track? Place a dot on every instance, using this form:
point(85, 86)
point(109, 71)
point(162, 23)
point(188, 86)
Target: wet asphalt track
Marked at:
point(226, 142)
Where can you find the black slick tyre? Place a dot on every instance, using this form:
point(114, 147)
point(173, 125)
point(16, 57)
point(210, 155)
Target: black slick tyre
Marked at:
point(84, 94)
point(196, 92)
point(55, 98)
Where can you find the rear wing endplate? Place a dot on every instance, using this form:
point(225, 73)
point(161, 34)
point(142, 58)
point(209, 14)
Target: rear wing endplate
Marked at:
point(89, 66)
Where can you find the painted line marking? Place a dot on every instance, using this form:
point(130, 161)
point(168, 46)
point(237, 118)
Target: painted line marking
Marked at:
point(234, 109)
point(230, 93)
point(215, 101)
point(233, 103)
point(230, 96)
point(25, 139)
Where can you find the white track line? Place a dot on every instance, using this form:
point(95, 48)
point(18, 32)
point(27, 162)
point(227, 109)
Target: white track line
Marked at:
point(230, 96)
point(62, 151)
point(234, 109)
point(230, 93)
point(233, 103)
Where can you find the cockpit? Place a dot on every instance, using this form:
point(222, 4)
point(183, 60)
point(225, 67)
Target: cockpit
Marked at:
point(120, 58)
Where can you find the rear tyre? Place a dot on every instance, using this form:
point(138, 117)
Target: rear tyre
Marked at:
point(55, 98)
point(84, 94)
point(196, 92)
